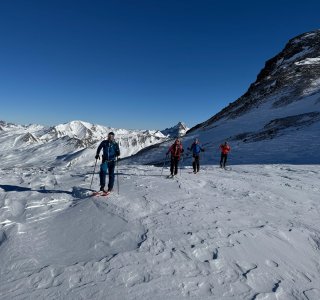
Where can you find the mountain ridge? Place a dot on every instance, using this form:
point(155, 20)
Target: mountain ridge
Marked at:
point(273, 77)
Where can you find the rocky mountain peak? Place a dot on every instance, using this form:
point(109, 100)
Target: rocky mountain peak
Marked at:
point(176, 131)
point(287, 77)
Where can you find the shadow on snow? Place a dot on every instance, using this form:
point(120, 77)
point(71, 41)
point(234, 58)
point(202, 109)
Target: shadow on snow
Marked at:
point(16, 188)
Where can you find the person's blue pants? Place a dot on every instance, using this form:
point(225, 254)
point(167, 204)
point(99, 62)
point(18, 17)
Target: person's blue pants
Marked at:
point(107, 167)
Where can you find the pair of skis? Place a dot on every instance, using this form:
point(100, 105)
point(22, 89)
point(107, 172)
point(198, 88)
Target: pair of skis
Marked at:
point(100, 193)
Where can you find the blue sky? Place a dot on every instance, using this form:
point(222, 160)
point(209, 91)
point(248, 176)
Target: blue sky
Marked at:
point(137, 64)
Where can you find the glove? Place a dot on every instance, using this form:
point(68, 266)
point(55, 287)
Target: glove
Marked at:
point(188, 148)
point(97, 156)
point(202, 150)
point(182, 150)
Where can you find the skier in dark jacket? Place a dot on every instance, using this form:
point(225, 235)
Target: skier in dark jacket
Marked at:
point(176, 150)
point(225, 149)
point(196, 149)
point(111, 152)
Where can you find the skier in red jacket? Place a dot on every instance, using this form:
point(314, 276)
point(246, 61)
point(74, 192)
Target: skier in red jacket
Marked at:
point(176, 150)
point(225, 149)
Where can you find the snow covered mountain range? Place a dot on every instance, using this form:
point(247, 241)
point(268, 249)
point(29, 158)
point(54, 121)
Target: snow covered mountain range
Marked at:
point(276, 121)
point(71, 143)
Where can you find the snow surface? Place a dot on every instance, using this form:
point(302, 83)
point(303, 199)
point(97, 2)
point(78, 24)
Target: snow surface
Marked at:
point(309, 61)
point(249, 232)
point(314, 87)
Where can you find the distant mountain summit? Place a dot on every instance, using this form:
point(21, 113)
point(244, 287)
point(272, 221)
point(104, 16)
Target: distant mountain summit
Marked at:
point(178, 130)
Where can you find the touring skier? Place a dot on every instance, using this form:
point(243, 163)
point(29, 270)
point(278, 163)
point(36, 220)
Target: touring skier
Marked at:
point(196, 149)
point(176, 151)
point(225, 149)
point(111, 152)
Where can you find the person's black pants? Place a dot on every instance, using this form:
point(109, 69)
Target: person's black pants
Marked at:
point(196, 163)
point(174, 165)
point(223, 160)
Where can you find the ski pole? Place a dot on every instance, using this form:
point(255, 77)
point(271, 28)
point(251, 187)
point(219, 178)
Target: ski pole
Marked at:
point(164, 164)
point(94, 170)
point(118, 185)
point(181, 165)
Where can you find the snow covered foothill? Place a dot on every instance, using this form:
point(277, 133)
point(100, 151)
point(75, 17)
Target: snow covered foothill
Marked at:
point(249, 232)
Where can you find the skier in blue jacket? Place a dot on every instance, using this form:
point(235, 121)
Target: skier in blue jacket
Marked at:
point(196, 149)
point(111, 152)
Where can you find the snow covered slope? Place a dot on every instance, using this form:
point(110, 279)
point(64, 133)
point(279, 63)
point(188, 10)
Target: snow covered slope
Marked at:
point(71, 143)
point(249, 233)
point(277, 120)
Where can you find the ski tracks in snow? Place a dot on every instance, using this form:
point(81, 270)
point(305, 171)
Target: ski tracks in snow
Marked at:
point(251, 232)
point(241, 233)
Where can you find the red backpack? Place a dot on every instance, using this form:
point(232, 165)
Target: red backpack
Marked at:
point(176, 150)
